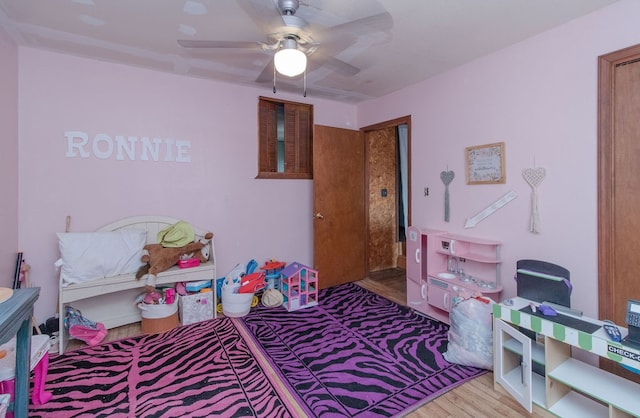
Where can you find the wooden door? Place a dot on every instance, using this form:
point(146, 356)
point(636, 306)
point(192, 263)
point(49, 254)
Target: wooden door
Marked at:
point(618, 187)
point(338, 205)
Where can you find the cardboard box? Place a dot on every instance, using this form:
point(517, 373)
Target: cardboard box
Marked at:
point(196, 307)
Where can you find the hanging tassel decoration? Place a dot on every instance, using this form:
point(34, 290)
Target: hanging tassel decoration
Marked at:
point(447, 178)
point(534, 177)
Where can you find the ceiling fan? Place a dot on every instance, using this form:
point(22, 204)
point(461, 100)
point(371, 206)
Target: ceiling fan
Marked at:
point(293, 41)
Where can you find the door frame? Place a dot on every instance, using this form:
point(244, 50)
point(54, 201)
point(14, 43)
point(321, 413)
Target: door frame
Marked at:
point(606, 184)
point(403, 120)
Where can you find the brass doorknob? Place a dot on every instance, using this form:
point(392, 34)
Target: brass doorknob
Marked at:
point(318, 216)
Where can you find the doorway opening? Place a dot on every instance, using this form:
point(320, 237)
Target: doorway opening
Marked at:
point(388, 205)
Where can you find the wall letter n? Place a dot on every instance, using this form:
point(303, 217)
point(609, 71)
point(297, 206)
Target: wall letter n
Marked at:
point(72, 144)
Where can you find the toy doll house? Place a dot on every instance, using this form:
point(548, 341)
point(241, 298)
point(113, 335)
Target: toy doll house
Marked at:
point(299, 286)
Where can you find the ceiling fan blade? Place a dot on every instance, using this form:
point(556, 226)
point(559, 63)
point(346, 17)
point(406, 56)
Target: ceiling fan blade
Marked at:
point(324, 59)
point(187, 43)
point(265, 14)
point(266, 75)
point(341, 66)
point(378, 22)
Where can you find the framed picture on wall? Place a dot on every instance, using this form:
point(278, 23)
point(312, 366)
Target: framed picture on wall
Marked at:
point(486, 164)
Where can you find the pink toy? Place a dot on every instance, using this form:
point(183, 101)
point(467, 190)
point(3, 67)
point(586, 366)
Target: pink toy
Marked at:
point(169, 296)
point(39, 361)
point(152, 298)
point(299, 286)
point(190, 262)
point(40, 396)
point(181, 289)
point(91, 336)
point(79, 327)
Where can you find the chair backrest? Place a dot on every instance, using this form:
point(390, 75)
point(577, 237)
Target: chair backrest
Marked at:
point(541, 281)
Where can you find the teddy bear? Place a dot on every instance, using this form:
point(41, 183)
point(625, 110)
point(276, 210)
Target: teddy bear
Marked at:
point(159, 258)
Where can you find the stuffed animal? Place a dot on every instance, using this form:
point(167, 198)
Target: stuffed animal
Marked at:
point(202, 254)
point(159, 258)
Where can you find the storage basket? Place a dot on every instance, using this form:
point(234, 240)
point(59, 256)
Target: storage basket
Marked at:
point(158, 318)
point(196, 307)
point(235, 304)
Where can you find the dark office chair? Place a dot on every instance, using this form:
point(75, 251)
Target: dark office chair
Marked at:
point(540, 281)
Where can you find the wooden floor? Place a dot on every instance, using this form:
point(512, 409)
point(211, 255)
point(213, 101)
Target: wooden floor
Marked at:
point(474, 399)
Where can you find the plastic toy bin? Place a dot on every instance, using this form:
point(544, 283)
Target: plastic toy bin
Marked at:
point(235, 304)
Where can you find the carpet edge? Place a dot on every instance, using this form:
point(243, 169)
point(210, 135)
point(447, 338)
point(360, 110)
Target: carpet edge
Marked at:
point(280, 384)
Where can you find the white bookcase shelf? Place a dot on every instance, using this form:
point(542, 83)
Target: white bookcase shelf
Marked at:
point(571, 388)
point(573, 404)
point(599, 384)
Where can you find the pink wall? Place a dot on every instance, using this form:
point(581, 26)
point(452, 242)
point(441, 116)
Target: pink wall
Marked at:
point(8, 158)
point(217, 190)
point(540, 98)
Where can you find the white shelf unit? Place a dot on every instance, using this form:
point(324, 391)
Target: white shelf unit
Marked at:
point(537, 350)
point(571, 388)
point(599, 384)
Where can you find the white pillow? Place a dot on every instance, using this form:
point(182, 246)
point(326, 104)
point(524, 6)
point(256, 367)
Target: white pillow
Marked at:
point(87, 256)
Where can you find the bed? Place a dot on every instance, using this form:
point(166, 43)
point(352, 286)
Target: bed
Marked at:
point(111, 300)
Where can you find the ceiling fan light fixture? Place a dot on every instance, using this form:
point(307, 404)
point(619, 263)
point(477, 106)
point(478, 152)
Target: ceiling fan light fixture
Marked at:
point(289, 60)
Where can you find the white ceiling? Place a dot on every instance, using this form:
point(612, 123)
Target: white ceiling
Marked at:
point(411, 40)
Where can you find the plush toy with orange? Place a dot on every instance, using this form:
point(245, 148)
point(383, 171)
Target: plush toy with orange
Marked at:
point(159, 258)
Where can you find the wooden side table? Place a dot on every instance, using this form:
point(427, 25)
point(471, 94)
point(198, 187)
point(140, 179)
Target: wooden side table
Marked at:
point(15, 319)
